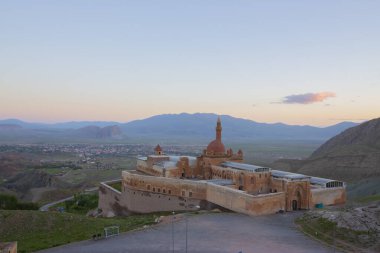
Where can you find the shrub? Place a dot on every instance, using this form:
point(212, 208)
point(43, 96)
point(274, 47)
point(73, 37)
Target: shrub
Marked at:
point(10, 202)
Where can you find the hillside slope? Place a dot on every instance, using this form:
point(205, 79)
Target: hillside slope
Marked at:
point(352, 156)
point(364, 138)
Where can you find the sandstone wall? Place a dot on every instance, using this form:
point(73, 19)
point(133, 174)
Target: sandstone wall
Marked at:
point(328, 196)
point(163, 185)
point(242, 202)
point(111, 202)
point(142, 195)
point(251, 182)
point(147, 202)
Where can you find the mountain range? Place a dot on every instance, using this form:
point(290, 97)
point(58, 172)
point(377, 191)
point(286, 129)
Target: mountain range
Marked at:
point(169, 127)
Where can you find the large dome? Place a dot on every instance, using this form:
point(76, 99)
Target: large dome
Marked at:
point(216, 147)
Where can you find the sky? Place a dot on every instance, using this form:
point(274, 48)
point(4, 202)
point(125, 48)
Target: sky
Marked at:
point(296, 62)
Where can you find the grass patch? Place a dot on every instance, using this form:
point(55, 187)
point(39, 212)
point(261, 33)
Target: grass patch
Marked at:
point(81, 204)
point(116, 185)
point(10, 202)
point(346, 239)
point(368, 199)
point(36, 230)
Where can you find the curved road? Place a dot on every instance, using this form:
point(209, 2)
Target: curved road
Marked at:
point(46, 207)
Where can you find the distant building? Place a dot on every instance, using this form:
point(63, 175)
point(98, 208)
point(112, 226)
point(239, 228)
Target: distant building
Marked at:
point(217, 178)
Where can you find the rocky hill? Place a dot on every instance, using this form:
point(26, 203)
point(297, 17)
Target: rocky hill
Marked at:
point(364, 138)
point(33, 184)
point(100, 132)
point(352, 156)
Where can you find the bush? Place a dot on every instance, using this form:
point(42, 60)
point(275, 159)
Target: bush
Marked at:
point(9, 202)
point(81, 203)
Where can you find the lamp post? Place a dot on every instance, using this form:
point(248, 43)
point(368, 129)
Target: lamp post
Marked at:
point(173, 231)
point(186, 222)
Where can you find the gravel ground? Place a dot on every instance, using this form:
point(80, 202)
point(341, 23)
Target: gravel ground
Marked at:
point(220, 232)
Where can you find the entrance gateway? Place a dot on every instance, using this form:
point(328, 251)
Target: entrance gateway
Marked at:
point(294, 205)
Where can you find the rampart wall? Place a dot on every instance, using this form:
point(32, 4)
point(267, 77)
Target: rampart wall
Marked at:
point(242, 202)
point(110, 201)
point(328, 196)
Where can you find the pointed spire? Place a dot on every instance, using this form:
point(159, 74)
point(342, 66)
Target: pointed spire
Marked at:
point(219, 129)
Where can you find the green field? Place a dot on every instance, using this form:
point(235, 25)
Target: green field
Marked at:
point(36, 230)
point(266, 152)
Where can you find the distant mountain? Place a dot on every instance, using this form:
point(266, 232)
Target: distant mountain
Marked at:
point(62, 125)
point(352, 156)
point(202, 126)
point(98, 132)
point(198, 127)
point(9, 127)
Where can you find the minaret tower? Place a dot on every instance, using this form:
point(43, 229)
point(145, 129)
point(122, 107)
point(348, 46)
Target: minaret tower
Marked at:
point(218, 130)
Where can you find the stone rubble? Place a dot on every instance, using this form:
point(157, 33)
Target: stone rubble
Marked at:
point(359, 219)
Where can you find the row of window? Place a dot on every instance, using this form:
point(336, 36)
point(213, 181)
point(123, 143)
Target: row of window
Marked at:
point(168, 191)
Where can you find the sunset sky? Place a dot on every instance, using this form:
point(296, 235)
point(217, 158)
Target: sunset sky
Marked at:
point(296, 62)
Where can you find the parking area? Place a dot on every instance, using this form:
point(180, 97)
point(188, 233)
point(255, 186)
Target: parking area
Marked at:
point(218, 232)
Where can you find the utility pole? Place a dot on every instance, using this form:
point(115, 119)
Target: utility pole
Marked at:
point(186, 231)
point(173, 232)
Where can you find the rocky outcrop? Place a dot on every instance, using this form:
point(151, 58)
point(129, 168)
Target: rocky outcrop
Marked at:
point(358, 219)
point(100, 133)
point(25, 181)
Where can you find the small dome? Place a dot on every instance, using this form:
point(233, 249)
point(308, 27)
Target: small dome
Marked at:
point(216, 147)
point(158, 148)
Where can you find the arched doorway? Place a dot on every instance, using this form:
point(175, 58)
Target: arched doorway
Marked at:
point(294, 205)
point(241, 181)
point(296, 202)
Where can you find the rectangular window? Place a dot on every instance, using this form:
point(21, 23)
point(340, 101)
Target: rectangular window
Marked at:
point(170, 191)
point(158, 190)
point(183, 193)
point(190, 194)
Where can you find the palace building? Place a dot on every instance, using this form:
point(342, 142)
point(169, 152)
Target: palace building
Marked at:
point(216, 179)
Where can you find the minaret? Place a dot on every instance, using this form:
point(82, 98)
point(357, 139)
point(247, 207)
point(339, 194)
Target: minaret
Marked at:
point(219, 130)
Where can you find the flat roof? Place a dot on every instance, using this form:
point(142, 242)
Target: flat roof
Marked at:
point(323, 181)
point(288, 175)
point(245, 166)
point(221, 182)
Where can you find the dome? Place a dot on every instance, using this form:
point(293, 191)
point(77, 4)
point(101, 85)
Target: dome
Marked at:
point(158, 148)
point(216, 147)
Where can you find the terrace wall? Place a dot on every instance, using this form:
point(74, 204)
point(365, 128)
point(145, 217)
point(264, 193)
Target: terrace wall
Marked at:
point(328, 196)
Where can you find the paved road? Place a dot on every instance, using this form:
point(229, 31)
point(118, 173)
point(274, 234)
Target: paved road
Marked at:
point(214, 233)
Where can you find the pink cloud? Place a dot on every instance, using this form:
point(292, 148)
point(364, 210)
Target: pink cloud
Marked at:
point(307, 98)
